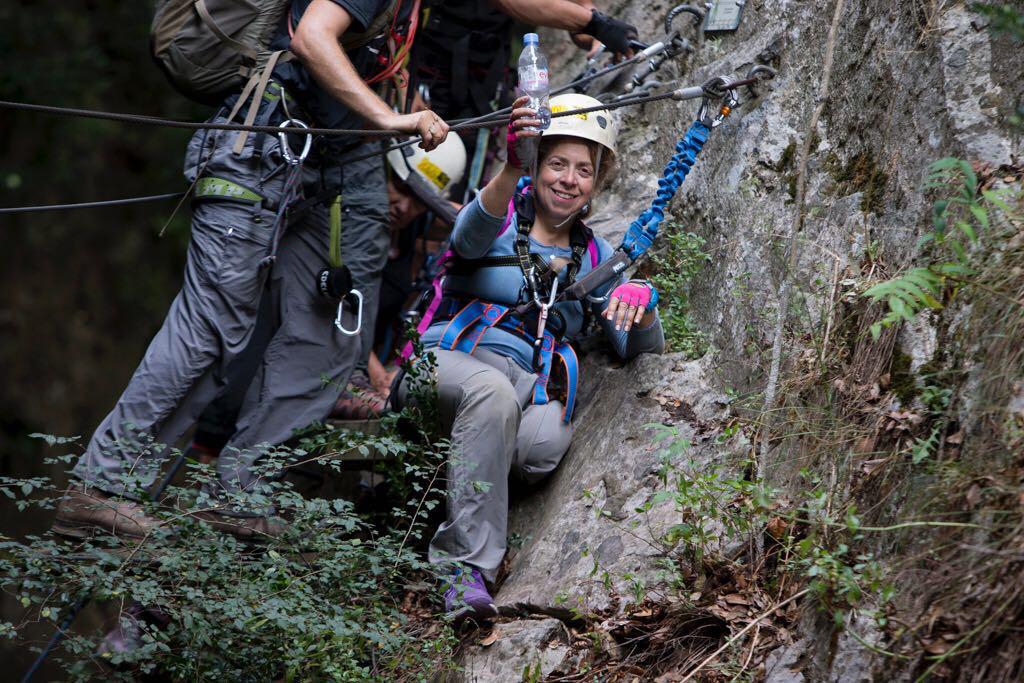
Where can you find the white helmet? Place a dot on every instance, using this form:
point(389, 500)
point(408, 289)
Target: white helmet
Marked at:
point(597, 126)
point(441, 168)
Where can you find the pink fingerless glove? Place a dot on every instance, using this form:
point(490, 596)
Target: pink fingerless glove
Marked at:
point(634, 293)
point(511, 143)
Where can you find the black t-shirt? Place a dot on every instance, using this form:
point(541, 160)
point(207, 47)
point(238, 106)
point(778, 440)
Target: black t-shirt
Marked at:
point(326, 111)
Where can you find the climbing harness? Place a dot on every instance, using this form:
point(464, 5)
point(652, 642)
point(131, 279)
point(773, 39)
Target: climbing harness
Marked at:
point(468, 321)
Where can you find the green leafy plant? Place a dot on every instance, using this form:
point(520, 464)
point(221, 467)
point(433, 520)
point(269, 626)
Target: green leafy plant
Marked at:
point(673, 270)
point(1004, 18)
point(327, 600)
point(957, 220)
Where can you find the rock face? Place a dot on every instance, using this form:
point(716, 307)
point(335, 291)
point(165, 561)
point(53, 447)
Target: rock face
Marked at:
point(519, 649)
point(911, 84)
point(585, 516)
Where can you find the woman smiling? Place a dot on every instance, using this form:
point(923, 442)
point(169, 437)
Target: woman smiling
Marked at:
point(506, 378)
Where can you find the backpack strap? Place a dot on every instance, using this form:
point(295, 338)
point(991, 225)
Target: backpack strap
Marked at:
point(257, 97)
point(204, 13)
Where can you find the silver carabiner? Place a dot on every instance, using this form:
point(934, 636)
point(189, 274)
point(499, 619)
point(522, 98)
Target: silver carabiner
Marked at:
point(542, 318)
point(359, 314)
point(286, 150)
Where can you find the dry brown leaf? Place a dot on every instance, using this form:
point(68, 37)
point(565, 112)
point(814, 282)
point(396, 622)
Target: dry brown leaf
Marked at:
point(973, 495)
point(491, 637)
point(957, 438)
point(736, 599)
point(641, 613)
point(776, 528)
point(937, 647)
point(865, 444)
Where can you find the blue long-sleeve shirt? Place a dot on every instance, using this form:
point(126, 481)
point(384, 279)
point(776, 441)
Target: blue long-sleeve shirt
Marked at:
point(476, 235)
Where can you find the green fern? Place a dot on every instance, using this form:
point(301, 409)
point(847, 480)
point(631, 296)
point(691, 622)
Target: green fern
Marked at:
point(907, 295)
point(922, 449)
point(957, 220)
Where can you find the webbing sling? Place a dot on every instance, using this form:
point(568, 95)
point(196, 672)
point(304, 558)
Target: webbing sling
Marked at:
point(336, 277)
point(334, 250)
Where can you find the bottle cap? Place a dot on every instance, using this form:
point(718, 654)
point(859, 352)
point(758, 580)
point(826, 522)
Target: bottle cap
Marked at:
point(531, 39)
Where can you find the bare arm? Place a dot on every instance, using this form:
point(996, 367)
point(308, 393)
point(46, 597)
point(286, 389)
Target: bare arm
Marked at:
point(566, 14)
point(315, 43)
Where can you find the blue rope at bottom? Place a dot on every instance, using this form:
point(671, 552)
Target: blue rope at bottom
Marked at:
point(641, 233)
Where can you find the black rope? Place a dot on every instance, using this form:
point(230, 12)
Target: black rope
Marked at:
point(487, 121)
point(91, 205)
point(147, 120)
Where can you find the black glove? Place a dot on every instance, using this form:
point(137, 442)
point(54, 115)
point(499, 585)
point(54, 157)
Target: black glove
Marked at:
point(613, 33)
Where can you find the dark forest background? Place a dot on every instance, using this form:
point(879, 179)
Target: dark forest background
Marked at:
point(81, 292)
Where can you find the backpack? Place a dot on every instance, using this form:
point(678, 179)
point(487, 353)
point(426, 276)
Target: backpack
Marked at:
point(211, 48)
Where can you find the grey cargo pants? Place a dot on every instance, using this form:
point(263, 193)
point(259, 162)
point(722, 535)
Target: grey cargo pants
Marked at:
point(211, 321)
point(485, 399)
point(365, 234)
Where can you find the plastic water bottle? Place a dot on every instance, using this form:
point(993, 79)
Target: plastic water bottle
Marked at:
point(533, 78)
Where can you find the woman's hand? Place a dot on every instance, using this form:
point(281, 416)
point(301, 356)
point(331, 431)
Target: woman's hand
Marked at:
point(520, 149)
point(630, 303)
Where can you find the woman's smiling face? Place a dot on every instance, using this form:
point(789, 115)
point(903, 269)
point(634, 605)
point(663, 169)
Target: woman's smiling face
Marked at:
point(565, 180)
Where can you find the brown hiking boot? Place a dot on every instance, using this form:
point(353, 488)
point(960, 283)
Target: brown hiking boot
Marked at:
point(250, 529)
point(85, 510)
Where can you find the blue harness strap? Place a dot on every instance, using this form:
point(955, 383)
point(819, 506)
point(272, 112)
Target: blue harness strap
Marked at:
point(464, 332)
point(540, 388)
point(571, 363)
point(462, 321)
point(493, 313)
point(641, 233)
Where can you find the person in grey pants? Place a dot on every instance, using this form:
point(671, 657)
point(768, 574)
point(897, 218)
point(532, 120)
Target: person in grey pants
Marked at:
point(235, 232)
point(507, 402)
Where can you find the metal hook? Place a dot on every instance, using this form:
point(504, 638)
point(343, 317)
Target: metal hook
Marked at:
point(286, 150)
point(758, 69)
point(697, 12)
point(359, 314)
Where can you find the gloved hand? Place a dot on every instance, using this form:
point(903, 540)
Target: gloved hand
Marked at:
point(615, 34)
point(630, 301)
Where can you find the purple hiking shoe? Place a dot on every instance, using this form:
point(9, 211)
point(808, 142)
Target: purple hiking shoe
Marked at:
point(467, 596)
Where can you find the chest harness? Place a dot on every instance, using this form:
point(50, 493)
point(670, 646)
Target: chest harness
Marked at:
point(469, 318)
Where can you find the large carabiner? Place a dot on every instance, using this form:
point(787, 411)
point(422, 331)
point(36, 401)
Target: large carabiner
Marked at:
point(286, 149)
point(359, 314)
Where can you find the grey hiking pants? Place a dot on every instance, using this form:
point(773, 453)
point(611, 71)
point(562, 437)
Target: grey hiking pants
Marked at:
point(485, 399)
point(212, 318)
point(365, 234)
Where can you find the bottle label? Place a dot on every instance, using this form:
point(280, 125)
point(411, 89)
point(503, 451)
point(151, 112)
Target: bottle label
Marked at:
point(532, 78)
